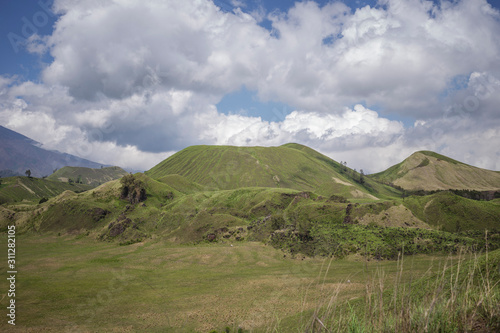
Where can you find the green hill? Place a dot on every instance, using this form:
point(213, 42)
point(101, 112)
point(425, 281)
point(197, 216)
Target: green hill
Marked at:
point(450, 212)
point(290, 196)
point(88, 176)
point(18, 189)
point(429, 171)
point(291, 166)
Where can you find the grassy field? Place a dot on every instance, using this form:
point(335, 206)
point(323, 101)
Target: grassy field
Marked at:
point(75, 284)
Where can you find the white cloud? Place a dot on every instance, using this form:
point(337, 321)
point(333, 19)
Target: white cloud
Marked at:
point(132, 81)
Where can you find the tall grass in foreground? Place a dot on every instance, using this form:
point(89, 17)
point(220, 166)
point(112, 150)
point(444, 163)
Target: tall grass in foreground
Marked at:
point(463, 297)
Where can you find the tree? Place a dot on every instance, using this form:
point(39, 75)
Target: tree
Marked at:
point(361, 176)
point(28, 173)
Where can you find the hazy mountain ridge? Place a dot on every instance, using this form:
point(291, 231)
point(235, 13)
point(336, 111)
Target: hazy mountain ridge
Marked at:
point(19, 153)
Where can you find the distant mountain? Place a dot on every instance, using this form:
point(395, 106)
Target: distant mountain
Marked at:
point(425, 170)
point(19, 153)
point(88, 176)
point(291, 166)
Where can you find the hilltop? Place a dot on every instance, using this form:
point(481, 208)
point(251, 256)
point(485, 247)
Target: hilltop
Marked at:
point(290, 166)
point(88, 176)
point(429, 171)
point(19, 153)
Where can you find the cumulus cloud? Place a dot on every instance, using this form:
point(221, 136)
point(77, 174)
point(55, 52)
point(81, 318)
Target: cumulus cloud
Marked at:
point(133, 81)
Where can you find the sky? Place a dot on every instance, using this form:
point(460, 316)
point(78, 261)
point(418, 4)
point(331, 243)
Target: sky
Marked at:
point(130, 82)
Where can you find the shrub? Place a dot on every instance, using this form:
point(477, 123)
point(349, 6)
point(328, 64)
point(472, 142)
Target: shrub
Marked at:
point(132, 189)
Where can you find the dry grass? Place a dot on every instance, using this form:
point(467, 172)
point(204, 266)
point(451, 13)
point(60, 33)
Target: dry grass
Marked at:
point(463, 296)
point(80, 285)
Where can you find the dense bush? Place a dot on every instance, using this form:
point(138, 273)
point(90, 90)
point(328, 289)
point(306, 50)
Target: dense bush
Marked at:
point(132, 189)
point(375, 241)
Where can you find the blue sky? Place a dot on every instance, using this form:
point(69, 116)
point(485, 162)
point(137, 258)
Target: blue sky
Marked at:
point(18, 21)
point(366, 82)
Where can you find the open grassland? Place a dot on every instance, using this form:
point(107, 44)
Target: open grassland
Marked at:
point(68, 283)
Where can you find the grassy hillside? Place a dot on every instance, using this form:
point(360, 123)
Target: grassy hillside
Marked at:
point(295, 221)
point(430, 171)
point(88, 176)
point(18, 189)
point(453, 213)
point(290, 166)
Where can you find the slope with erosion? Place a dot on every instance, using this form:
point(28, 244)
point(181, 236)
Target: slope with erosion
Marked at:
point(89, 176)
point(430, 171)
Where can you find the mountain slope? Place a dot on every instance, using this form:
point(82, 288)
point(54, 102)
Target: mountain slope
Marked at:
point(290, 166)
point(93, 177)
point(17, 189)
point(425, 170)
point(19, 153)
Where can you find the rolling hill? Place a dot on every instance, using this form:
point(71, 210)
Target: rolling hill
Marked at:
point(291, 197)
point(19, 189)
point(88, 176)
point(19, 153)
point(291, 166)
point(429, 171)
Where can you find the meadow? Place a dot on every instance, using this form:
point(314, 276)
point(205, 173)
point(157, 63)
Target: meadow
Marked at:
point(71, 283)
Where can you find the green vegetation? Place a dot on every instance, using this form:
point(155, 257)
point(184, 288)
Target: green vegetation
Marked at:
point(88, 176)
point(289, 166)
point(239, 239)
point(19, 189)
point(157, 286)
point(461, 296)
point(453, 213)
